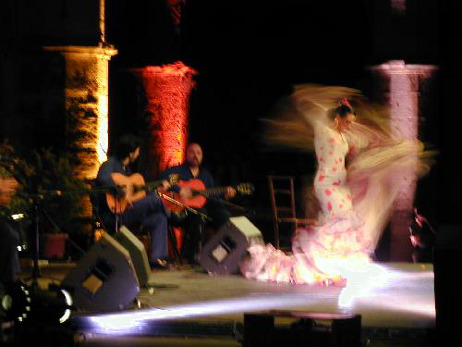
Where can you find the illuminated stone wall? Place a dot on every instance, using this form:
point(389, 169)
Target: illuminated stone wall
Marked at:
point(86, 105)
point(401, 85)
point(166, 90)
point(85, 89)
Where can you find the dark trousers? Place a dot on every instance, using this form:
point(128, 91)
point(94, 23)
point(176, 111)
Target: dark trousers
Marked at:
point(149, 213)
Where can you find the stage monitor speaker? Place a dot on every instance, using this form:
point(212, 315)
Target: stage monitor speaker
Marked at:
point(138, 253)
point(104, 279)
point(222, 254)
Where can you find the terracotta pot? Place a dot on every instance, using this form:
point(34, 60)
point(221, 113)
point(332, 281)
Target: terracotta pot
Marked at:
point(53, 246)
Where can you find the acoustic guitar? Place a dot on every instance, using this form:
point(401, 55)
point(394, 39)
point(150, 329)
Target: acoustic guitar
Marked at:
point(200, 193)
point(133, 188)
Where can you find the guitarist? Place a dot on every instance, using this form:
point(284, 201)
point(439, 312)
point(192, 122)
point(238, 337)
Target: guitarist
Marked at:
point(218, 214)
point(148, 211)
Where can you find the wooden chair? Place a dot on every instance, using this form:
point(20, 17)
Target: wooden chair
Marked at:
point(282, 194)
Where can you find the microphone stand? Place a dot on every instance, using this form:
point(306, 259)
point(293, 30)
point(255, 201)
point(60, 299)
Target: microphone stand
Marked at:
point(35, 251)
point(36, 273)
point(36, 198)
point(229, 204)
point(203, 216)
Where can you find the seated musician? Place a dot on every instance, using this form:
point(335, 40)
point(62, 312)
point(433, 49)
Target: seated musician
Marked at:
point(192, 171)
point(148, 211)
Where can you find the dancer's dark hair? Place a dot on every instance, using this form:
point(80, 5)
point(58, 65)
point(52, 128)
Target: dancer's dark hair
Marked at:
point(342, 110)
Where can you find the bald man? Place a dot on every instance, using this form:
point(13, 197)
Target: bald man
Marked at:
point(192, 169)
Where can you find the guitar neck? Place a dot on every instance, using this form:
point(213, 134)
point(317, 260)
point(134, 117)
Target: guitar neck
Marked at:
point(212, 191)
point(242, 188)
point(149, 187)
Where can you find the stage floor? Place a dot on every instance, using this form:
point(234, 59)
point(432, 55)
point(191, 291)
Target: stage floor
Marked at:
point(395, 298)
point(392, 295)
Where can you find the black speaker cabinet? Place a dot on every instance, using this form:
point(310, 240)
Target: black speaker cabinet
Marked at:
point(104, 278)
point(138, 253)
point(222, 254)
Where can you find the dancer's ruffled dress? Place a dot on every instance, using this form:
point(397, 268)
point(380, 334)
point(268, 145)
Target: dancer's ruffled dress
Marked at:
point(355, 204)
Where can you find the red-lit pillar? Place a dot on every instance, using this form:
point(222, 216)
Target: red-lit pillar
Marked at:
point(166, 90)
point(401, 84)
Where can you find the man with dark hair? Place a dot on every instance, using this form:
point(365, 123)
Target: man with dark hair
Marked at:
point(192, 170)
point(148, 211)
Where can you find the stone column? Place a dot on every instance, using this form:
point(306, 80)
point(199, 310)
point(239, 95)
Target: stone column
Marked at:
point(166, 90)
point(401, 84)
point(86, 108)
point(86, 104)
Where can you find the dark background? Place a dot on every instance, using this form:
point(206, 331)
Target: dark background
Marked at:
point(249, 54)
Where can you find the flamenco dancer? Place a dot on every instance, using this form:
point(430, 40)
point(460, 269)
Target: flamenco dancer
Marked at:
point(356, 160)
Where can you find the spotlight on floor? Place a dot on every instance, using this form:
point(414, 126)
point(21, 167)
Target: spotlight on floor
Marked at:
point(25, 304)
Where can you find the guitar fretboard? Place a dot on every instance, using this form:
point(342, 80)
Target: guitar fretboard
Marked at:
point(148, 187)
point(243, 188)
point(212, 191)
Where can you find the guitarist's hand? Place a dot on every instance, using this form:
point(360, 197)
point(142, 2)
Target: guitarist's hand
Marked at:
point(164, 186)
point(230, 192)
point(186, 192)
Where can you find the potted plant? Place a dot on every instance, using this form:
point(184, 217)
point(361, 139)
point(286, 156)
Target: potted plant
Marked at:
point(14, 213)
point(49, 196)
